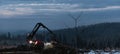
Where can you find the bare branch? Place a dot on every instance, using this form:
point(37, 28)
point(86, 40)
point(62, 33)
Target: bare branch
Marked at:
point(79, 15)
point(72, 16)
point(75, 18)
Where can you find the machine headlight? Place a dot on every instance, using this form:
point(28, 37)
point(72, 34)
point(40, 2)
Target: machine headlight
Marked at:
point(30, 41)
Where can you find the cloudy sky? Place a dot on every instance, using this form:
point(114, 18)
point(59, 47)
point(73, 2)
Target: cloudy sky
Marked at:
point(24, 14)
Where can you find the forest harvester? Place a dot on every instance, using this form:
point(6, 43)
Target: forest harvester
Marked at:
point(53, 45)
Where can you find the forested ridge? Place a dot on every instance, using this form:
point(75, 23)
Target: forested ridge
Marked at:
point(98, 36)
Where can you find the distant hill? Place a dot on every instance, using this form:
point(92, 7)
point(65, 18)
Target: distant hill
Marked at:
point(102, 29)
point(94, 36)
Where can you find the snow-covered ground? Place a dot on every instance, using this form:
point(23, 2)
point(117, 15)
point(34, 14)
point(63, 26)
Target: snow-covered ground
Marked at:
point(102, 52)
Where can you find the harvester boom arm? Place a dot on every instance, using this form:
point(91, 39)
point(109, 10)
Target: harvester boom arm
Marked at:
point(35, 29)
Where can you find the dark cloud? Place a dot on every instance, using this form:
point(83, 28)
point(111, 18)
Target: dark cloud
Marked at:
point(24, 14)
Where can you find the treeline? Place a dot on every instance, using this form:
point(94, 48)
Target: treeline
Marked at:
point(99, 36)
point(11, 39)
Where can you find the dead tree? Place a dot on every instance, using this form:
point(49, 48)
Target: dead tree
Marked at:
point(76, 20)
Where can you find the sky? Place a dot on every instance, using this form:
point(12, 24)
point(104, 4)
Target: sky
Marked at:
point(16, 15)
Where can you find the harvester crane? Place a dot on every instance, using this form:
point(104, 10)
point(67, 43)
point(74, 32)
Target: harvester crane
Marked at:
point(35, 29)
